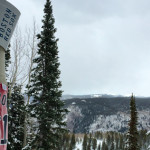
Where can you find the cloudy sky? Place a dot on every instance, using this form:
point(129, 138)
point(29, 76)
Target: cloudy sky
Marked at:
point(104, 44)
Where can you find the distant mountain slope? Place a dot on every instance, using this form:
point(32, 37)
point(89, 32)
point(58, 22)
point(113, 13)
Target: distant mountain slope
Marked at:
point(105, 114)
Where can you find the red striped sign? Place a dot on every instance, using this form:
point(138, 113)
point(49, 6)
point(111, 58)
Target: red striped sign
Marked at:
point(3, 117)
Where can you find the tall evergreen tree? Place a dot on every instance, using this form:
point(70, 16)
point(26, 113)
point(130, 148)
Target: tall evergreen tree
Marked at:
point(7, 57)
point(104, 146)
point(121, 143)
point(84, 145)
point(108, 140)
point(7, 63)
point(112, 147)
point(16, 119)
point(99, 147)
point(45, 87)
point(94, 143)
point(73, 142)
point(89, 142)
point(132, 136)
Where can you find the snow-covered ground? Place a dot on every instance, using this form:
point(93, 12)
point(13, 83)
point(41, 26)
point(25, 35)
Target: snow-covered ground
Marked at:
point(79, 144)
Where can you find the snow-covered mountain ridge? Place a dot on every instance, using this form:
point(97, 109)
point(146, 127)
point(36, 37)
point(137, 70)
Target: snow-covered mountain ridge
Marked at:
point(69, 96)
point(105, 114)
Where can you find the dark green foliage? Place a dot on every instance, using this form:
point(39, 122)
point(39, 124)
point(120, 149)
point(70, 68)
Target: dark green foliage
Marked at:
point(99, 135)
point(7, 58)
point(45, 87)
point(85, 140)
point(108, 140)
point(117, 141)
point(16, 119)
point(94, 143)
point(16, 111)
point(143, 139)
point(73, 142)
point(7, 63)
point(132, 136)
point(89, 142)
point(99, 147)
point(112, 147)
point(66, 141)
point(121, 143)
point(104, 146)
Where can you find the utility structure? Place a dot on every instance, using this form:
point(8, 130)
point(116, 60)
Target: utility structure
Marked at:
point(9, 16)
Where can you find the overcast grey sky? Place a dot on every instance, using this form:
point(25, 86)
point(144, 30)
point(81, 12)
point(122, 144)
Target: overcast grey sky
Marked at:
point(104, 44)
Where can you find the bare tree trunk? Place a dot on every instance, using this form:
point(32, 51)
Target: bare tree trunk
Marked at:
point(2, 66)
point(17, 60)
point(30, 54)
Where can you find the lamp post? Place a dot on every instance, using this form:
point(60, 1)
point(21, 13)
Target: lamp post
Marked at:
point(9, 16)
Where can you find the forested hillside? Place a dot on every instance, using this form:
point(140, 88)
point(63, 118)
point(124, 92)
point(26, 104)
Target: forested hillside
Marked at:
point(105, 114)
point(101, 141)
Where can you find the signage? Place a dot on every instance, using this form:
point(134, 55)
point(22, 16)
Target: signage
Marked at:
point(9, 16)
point(3, 117)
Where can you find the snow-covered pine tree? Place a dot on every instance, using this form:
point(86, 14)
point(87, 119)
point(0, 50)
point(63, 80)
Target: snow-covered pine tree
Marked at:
point(132, 135)
point(45, 87)
point(7, 63)
point(16, 119)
